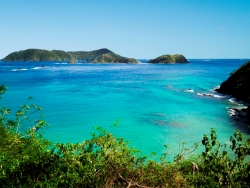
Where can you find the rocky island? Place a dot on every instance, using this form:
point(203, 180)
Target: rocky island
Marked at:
point(169, 59)
point(96, 56)
point(238, 85)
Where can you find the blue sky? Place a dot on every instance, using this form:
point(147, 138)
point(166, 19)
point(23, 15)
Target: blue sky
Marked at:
point(132, 28)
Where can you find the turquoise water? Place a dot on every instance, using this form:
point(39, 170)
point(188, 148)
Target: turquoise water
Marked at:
point(152, 102)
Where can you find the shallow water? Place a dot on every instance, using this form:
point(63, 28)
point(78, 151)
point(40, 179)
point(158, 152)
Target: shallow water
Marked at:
point(155, 104)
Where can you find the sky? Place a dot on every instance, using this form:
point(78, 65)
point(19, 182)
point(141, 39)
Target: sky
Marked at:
point(132, 28)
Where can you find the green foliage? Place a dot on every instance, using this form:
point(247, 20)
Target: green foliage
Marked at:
point(113, 58)
point(89, 56)
point(29, 160)
point(38, 55)
point(221, 167)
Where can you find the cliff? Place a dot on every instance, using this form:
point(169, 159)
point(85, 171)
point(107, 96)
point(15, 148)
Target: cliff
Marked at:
point(169, 59)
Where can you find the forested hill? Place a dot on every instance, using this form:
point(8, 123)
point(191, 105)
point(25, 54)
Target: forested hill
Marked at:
point(103, 55)
point(97, 56)
point(237, 84)
point(38, 55)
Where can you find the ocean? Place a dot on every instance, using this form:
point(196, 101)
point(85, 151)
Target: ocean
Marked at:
point(152, 104)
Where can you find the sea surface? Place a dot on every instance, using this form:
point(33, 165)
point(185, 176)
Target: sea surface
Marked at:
point(153, 104)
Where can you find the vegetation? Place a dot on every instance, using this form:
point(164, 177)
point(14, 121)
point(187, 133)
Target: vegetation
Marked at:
point(113, 59)
point(177, 58)
point(38, 55)
point(97, 56)
point(104, 56)
point(29, 160)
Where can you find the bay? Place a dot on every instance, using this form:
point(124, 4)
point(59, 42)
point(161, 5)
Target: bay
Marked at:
point(154, 104)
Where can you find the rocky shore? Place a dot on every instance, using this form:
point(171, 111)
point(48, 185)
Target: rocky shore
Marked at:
point(240, 110)
point(240, 114)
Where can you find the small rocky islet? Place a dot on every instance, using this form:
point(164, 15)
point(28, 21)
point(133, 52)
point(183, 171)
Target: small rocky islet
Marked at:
point(169, 59)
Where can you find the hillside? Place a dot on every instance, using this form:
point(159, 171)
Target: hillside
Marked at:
point(113, 59)
point(38, 55)
point(238, 83)
point(97, 56)
point(102, 56)
point(84, 55)
point(169, 59)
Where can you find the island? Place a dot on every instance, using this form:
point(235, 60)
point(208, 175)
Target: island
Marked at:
point(96, 56)
point(169, 59)
point(237, 85)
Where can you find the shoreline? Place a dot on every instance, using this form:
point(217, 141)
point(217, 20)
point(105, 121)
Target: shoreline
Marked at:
point(239, 113)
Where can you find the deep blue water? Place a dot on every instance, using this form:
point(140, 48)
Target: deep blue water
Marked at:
point(155, 104)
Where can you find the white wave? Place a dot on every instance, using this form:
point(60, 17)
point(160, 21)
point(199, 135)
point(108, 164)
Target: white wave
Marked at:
point(24, 69)
point(232, 113)
point(216, 87)
point(210, 95)
point(189, 90)
point(60, 63)
point(200, 94)
point(218, 96)
point(38, 67)
point(232, 100)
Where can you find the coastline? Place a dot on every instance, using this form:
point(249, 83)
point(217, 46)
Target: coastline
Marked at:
point(240, 112)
